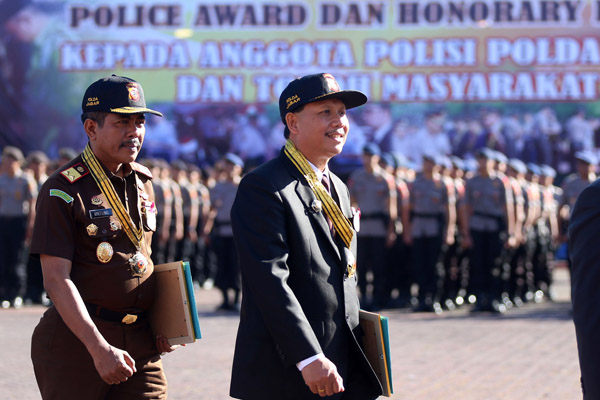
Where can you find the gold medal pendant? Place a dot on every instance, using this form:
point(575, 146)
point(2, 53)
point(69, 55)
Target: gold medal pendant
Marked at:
point(138, 264)
point(104, 252)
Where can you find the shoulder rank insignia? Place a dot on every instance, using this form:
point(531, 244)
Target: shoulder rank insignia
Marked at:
point(75, 172)
point(141, 169)
point(61, 194)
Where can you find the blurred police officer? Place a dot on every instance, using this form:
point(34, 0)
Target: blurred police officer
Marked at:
point(36, 164)
point(218, 226)
point(572, 187)
point(373, 191)
point(488, 213)
point(17, 193)
point(430, 212)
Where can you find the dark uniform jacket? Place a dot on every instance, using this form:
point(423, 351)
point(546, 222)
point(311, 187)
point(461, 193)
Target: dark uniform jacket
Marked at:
point(584, 231)
point(298, 298)
point(69, 224)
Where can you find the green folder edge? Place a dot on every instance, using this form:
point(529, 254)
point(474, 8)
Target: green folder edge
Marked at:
point(189, 285)
point(388, 357)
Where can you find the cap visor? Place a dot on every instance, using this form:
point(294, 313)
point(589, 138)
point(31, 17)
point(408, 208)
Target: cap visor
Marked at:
point(134, 110)
point(351, 98)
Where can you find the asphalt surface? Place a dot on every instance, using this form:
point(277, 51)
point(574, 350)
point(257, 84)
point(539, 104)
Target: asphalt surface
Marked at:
point(527, 353)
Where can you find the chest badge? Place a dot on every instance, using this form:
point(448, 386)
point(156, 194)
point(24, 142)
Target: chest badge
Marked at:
point(104, 252)
point(316, 205)
point(91, 229)
point(138, 264)
point(97, 200)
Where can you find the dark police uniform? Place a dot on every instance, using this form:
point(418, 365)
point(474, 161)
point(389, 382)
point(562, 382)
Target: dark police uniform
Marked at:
point(102, 224)
point(71, 222)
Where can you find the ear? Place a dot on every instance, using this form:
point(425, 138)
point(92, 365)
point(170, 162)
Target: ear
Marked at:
point(291, 120)
point(90, 126)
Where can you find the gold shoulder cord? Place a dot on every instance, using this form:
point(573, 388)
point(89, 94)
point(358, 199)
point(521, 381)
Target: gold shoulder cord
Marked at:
point(342, 225)
point(108, 190)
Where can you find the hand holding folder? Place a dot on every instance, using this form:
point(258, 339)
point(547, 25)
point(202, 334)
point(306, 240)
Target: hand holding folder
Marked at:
point(376, 345)
point(174, 314)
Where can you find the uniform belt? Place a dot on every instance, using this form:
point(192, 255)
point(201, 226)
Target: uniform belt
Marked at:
point(115, 316)
point(366, 216)
point(427, 215)
point(487, 215)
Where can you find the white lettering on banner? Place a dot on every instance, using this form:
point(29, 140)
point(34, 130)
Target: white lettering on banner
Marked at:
point(421, 52)
point(209, 88)
point(268, 87)
point(495, 86)
point(80, 56)
point(525, 51)
point(276, 54)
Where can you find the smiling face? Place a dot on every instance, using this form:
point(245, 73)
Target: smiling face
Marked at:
point(118, 140)
point(320, 130)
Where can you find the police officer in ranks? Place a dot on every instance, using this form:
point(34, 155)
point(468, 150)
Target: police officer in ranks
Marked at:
point(488, 213)
point(572, 187)
point(500, 169)
point(431, 222)
point(451, 277)
point(456, 284)
point(163, 198)
point(534, 213)
point(218, 226)
point(520, 268)
point(205, 269)
point(17, 194)
point(373, 191)
point(94, 223)
point(36, 165)
point(190, 209)
point(177, 228)
point(547, 232)
point(402, 274)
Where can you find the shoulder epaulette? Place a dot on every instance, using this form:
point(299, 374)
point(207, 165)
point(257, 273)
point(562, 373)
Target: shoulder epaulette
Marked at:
point(141, 169)
point(75, 172)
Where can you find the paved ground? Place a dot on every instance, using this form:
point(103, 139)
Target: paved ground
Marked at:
point(527, 354)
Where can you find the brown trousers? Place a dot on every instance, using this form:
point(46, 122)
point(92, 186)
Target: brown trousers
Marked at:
point(65, 370)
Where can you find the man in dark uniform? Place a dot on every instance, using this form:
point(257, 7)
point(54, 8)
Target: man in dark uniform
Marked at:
point(299, 334)
point(584, 230)
point(94, 223)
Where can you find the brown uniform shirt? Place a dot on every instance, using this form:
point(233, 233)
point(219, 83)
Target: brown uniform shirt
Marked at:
point(69, 205)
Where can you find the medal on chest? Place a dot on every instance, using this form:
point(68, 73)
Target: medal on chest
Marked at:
point(104, 252)
point(138, 264)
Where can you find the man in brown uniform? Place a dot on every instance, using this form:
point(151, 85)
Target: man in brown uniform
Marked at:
point(93, 229)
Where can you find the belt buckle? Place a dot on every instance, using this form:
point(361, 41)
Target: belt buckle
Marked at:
point(129, 319)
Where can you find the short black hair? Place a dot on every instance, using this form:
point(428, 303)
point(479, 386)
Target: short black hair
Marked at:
point(97, 116)
point(286, 131)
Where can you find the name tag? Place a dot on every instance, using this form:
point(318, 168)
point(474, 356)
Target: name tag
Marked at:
point(101, 213)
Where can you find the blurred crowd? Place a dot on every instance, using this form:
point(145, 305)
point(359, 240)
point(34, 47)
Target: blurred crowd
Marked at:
point(437, 233)
point(541, 134)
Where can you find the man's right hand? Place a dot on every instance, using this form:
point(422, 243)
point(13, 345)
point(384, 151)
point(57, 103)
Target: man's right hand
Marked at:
point(322, 378)
point(114, 365)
